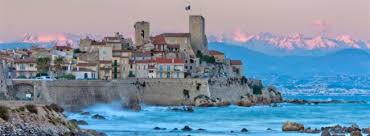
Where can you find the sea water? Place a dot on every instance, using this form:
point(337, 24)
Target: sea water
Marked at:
point(221, 121)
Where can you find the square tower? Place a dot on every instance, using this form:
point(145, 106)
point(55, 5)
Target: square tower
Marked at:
point(142, 32)
point(198, 36)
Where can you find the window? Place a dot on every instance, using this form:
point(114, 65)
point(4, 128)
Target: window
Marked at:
point(177, 74)
point(31, 65)
point(22, 67)
point(168, 75)
point(160, 67)
point(168, 67)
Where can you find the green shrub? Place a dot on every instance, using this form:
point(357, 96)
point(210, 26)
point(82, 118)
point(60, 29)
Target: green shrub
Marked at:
point(67, 77)
point(22, 77)
point(31, 108)
point(257, 89)
point(4, 114)
point(20, 109)
point(55, 108)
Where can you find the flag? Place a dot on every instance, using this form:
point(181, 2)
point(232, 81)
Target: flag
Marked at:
point(187, 8)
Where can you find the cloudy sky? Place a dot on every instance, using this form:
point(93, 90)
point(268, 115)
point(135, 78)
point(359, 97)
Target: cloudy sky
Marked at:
point(310, 17)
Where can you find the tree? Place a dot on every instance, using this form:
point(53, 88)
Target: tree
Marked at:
point(43, 64)
point(58, 65)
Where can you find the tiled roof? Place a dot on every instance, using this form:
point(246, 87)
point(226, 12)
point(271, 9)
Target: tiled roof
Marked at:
point(235, 62)
point(176, 34)
point(169, 61)
point(26, 60)
point(158, 40)
point(214, 52)
point(105, 61)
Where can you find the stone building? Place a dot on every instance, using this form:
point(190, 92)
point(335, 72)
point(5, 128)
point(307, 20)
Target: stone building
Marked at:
point(142, 33)
point(237, 67)
point(198, 36)
point(169, 68)
point(25, 68)
point(219, 56)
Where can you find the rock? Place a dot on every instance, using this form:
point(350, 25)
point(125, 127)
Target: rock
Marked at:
point(186, 128)
point(175, 129)
point(201, 129)
point(231, 131)
point(184, 108)
point(292, 126)
point(97, 116)
point(82, 122)
point(244, 130)
point(269, 129)
point(311, 131)
point(205, 101)
point(325, 132)
point(78, 122)
point(158, 128)
point(356, 133)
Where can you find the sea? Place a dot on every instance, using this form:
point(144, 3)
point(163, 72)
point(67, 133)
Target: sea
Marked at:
point(227, 121)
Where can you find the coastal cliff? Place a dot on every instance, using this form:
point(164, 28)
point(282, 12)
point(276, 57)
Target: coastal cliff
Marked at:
point(37, 120)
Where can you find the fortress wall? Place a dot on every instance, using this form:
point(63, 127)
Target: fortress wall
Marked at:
point(77, 94)
point(229, 92)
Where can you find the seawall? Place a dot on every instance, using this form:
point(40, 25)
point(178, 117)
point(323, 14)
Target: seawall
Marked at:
point(77, 94)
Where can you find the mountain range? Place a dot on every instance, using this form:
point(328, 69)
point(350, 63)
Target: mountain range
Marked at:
point(345, 61)
point(297, 44)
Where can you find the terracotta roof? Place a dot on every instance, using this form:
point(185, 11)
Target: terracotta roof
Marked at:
point(85, 64)
point(214, 52)
point(141, 61)
point(105, 61)
point(175, 34)
point(235, 62)
point(158, 40)
point(169, 61)
point(26, 60)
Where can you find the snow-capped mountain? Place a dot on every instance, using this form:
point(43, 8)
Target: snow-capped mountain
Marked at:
point(296, 44)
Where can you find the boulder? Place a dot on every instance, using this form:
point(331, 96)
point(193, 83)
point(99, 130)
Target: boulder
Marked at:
point(97, 116)
point(159, 128)
point(78, 122)
point(205, 101)
point(186, 128)
point(244, 130)
point(292, 126)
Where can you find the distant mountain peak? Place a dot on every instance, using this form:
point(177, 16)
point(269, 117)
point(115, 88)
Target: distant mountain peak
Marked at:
point(295, 44)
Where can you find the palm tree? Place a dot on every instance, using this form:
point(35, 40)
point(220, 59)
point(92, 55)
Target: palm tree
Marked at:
point(58, 62)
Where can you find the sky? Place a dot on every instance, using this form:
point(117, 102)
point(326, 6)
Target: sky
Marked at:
point(309, 17)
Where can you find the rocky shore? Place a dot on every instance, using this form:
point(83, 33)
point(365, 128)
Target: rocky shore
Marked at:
point(39, 120)
point(337, 130)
